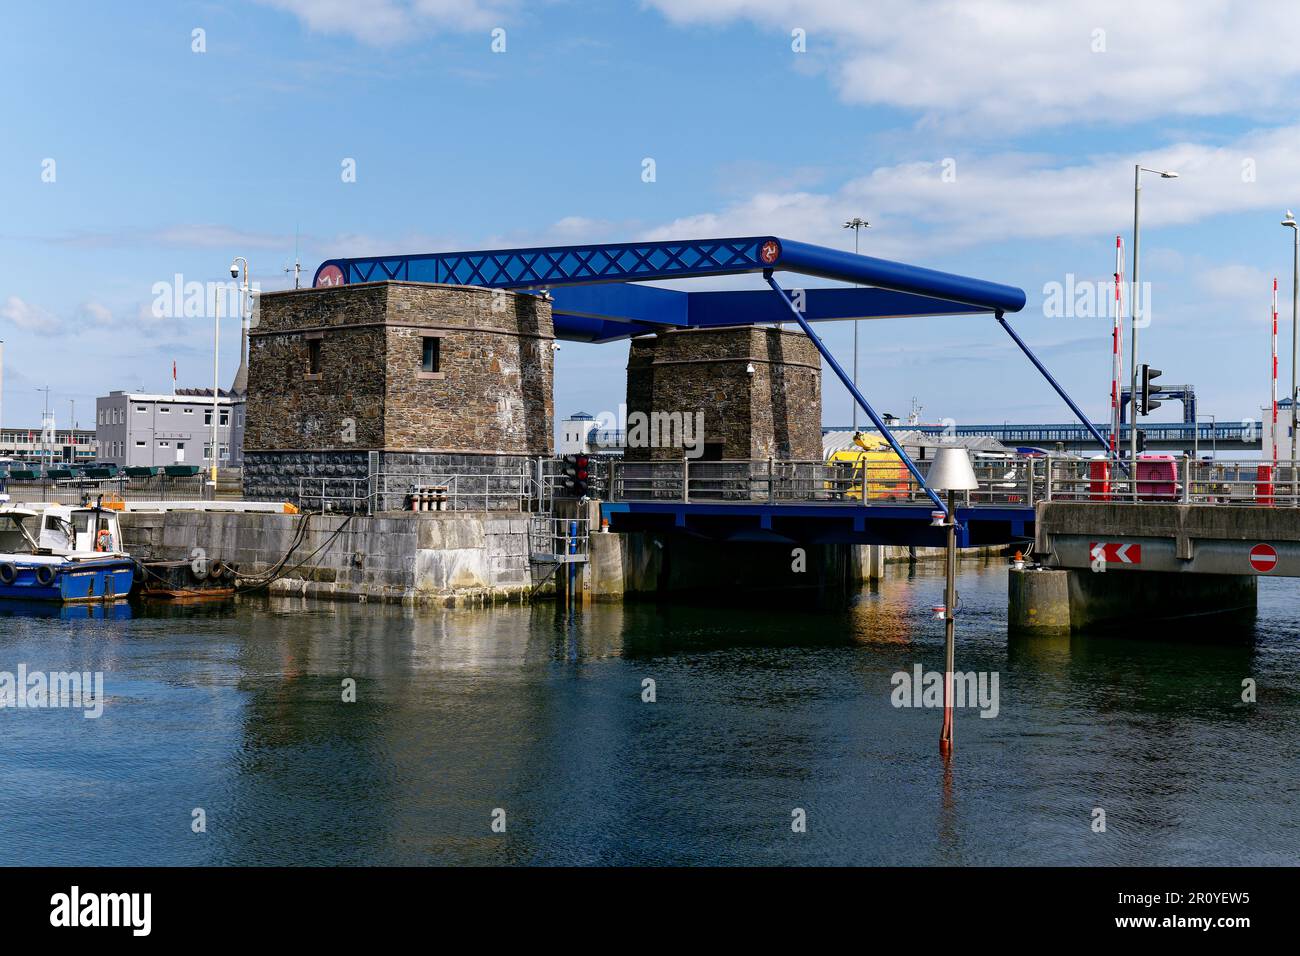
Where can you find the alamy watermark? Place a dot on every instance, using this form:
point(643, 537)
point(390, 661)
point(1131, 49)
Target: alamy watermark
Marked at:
point(684, 430)
point(1084, 299)
point(37, 690)
point(922, 688)
point(179, 299)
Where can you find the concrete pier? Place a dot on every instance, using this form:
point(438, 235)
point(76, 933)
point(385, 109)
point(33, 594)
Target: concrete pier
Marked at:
point(1048, 602)
point(451, 558)
point(648, 564)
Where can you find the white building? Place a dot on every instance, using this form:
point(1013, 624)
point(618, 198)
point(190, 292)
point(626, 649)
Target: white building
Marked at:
point(575, 434)
point(581, 434)
point(48, 445)
point(140, 429)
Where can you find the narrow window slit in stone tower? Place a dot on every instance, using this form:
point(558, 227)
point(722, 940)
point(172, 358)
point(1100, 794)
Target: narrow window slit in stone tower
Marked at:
point(432, 355)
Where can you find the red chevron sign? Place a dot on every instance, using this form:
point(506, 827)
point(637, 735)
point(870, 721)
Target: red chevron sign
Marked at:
point(1115, 552)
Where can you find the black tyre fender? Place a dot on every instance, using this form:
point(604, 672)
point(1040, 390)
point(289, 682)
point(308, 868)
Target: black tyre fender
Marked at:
point(44, 575)
point(8, 573)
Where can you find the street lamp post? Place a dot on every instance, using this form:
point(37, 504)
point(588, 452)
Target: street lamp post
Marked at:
point(1136, 310)
point(857, 224)
point(950, 472)
point(245, 302)
point(216, 383)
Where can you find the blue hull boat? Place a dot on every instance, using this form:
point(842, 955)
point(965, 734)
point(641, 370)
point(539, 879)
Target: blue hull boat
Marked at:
point(62, 554)
point(36, 578)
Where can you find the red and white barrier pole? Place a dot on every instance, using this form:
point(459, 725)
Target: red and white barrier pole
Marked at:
point(1116, 349)
point(1275, 371)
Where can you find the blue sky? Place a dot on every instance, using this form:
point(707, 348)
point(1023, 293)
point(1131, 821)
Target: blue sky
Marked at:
point(172, 161)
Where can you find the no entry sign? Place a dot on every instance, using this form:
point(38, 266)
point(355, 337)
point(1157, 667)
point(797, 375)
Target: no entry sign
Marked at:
point(1115, 552)
point(1263, 558)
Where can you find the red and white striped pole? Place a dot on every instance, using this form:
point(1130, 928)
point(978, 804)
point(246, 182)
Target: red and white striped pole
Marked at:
point(1275, 371)
point(1116, 349)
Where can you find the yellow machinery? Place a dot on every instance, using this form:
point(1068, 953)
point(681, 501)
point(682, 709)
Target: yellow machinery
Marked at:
point(873, 463)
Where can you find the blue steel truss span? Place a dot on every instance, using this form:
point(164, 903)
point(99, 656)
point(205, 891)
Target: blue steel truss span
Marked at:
point(621, 309)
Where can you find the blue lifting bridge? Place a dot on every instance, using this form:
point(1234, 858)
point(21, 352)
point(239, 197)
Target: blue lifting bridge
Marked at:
point(597, 297)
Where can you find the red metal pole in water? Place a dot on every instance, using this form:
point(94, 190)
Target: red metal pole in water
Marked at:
point(949, 625)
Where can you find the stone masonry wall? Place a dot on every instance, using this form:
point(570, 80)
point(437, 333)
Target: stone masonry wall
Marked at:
point(491, 395)
point(287, 411)
point(776, 411)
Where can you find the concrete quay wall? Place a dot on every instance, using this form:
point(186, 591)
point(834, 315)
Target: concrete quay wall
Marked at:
point(1048, 602)
point(449, 558)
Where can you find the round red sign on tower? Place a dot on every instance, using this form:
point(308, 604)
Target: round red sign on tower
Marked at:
point(330, 275)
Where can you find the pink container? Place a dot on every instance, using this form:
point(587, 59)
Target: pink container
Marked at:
point(1157, 478)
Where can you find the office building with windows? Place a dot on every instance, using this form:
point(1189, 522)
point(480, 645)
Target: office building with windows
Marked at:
point(48, 446)
point(136, 429)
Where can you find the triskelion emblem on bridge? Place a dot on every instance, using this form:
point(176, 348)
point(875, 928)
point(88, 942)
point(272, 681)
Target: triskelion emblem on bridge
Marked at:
point(770, 250)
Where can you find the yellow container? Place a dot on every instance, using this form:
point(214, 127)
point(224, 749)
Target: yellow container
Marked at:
point(873, 465)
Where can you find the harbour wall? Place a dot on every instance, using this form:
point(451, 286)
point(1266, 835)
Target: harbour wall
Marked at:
point(1049, 602)
point(463, 558)
point(451, 558)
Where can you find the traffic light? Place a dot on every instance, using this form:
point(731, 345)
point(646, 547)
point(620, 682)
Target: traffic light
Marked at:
point(1149, 374)
point(1141, 441)
point(577, 475)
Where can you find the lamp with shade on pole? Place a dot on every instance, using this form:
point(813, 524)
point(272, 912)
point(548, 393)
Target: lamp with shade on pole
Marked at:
point(950, 472)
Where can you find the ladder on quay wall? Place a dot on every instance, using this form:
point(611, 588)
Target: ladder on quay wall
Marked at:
point(558, 540)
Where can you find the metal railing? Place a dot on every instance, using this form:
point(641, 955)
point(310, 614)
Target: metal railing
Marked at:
point(1011, 481)
point(1252, 483)
point(1008, 482)
point(559, 540)
point(76, 490)
point(1002, 481)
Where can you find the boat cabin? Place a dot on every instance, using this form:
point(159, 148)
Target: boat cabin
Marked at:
point(59, 530)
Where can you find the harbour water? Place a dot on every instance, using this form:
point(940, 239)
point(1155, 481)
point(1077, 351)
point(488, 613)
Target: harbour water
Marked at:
point(237, 710)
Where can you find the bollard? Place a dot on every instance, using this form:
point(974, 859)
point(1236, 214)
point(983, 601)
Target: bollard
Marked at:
point(1264, 484)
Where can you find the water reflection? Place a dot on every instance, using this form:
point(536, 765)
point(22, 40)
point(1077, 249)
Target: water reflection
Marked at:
point(239, 708)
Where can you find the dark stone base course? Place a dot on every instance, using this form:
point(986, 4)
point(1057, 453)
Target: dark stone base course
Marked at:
point(274, 476)
point(340, 478)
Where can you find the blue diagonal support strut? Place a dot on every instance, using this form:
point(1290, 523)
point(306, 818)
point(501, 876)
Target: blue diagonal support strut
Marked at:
point(1078, 413)
point(857, 396)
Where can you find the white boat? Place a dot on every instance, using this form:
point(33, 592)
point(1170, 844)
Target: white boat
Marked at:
point(62, 553)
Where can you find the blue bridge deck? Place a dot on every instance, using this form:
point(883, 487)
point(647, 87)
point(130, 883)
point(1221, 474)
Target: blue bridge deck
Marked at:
point(903, 524)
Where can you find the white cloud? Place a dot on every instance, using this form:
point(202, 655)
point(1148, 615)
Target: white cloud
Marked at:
point(181, 235)
point(1240, 284)
point(95, 314)
point(382, 22)
point(996, 198)
point(31, 318)
point(1025, 63)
